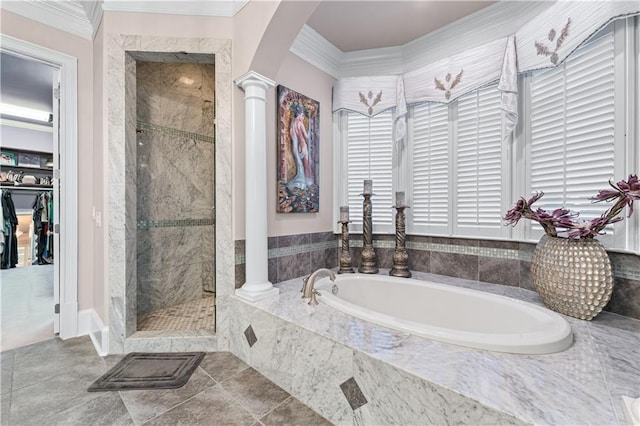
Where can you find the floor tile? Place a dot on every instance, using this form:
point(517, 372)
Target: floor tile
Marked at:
point(147, 404)
point(5, 409)
point(33, 404)
point(6, 371)
point(44, 360)
point(222, 365)
point(255, 392)
point(106, 409)
point(214, 406)
point(293, 412)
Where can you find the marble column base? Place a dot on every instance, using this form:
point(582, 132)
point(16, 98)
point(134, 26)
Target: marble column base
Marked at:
point(255, 292)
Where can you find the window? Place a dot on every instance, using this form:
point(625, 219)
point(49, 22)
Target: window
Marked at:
point(430, 168)
point(572, 136)
point(478, 164)
point(577, 130)
point(370, 156)
point(457, 162)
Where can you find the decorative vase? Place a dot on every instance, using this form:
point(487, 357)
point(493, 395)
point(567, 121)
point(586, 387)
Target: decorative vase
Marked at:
point(573, 277)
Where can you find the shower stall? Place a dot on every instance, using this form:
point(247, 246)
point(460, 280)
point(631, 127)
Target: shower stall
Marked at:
point(175, 192)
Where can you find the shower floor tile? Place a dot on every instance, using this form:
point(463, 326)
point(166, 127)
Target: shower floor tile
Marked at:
point(196, 315)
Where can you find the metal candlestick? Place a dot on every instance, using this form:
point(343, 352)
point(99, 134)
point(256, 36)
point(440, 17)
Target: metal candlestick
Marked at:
point(400, 256)
point(345, 256)
point(368, 261)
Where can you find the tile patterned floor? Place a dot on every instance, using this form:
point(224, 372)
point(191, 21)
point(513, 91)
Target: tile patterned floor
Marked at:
point(46, 383)
point(196, 315)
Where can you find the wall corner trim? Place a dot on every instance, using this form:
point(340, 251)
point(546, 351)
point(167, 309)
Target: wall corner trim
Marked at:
point(90, 323)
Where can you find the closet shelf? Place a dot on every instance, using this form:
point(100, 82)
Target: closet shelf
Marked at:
point(27, 187)
point(40, 169)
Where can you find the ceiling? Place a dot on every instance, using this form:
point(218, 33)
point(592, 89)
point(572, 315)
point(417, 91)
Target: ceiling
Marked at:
point(26, 83)
point(365, 24)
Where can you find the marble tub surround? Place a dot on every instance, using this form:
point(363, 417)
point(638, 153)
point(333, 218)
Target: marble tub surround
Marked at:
point(123, 53)
point(405, 378)
point(293, 255)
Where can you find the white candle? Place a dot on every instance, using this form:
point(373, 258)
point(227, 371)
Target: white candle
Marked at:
point(344, 214)
point(368, 186)
point(400, 199)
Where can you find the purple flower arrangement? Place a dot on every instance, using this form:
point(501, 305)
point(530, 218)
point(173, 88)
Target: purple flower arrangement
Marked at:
point(624, 193)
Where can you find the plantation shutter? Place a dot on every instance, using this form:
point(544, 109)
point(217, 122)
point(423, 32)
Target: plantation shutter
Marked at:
point(478, 162)
point(430, 168)
point(572, 130)
point(370, 156)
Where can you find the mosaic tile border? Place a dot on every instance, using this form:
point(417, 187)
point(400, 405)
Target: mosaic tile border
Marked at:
point(169, 131)
point(178, 223)
point(291, 250)
point(498, 253)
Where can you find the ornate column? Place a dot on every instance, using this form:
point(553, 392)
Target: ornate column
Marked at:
point(368, 260)
point(400, 255)
point(257, 285)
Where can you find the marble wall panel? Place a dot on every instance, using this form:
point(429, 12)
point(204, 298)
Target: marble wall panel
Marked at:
point(174, 177)
point(396, 397)
point(293, 266)
point(499, 271)
point(181, 95)
point(122, 51)
point(454, 265)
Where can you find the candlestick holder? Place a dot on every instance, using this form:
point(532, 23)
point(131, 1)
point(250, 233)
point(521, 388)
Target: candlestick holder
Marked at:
point(400, 255)
point(345, 256)
point(368, 260)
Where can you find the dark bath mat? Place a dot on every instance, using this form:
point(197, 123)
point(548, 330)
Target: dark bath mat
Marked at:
point(140, 371)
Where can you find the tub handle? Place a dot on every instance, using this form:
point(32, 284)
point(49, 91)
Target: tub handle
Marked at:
point(313, 301)
point(304, 284)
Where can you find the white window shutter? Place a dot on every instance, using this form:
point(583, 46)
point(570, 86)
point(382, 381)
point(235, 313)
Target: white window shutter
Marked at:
point(370, 156)
point(572, 130)
point(430, 158)
point(478, 164)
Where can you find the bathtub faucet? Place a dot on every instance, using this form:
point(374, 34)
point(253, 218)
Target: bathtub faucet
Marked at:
point(308, 291)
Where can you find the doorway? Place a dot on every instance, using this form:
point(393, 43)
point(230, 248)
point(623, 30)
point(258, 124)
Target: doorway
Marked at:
point(51, 173)
point(28, 243)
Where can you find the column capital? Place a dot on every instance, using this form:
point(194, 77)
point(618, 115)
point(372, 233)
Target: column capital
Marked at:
point(253, 78)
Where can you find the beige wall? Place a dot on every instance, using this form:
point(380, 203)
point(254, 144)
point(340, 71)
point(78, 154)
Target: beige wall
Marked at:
point(302, 77)
point(100, 193)
point(43, 35)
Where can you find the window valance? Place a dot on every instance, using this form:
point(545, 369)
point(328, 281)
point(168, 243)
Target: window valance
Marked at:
point(372, 95)
point(551, 36)
point(543, 42)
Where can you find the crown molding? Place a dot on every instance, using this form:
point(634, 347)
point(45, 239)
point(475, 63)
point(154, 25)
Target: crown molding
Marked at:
point(382, 61)
point(65, 16)
point(491, 23)
point(223, 8)
point(93, 11)
point(318, 51)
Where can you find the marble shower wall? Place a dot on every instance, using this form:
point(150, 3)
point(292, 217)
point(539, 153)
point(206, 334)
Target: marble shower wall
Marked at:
point(175, 183)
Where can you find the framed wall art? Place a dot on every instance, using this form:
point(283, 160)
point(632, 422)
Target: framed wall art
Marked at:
point(298, 152)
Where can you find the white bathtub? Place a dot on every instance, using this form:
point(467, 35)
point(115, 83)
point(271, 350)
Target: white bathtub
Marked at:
point(448, 314)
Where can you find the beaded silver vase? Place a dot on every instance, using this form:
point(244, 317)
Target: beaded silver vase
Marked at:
point(572, 277)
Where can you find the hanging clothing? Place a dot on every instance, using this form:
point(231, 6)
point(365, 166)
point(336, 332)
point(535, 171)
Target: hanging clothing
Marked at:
point(9, 257)
point(42, 209)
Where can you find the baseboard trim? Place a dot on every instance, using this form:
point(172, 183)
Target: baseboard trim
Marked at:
point(90, 323)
